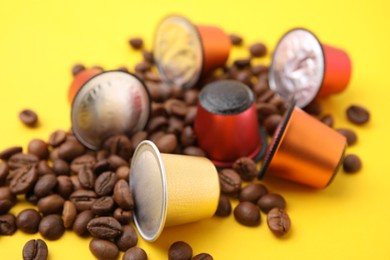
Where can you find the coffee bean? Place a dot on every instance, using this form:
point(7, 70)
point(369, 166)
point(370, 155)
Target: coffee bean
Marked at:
point(52, 204)
point(180, 250)
point(39, 148)
point(6, 194)
point(24, 180)
point(123, 68)
point(259, 69)
point(235, 39)
point(45, 185)
point(190, 117)
point(137, 138)
point(64, 186)
point(142, 67)
point(188, 136)
point(81, 222)
point(7, 153)
point(51, 227)
point(76, 182)
point(43, 168)
point(148, 56)
point(349, 135)
point(83, 199)
point(77, 68)
point(116, 161)
point(252, 192)
point(101, 155)
point(54, 155)
point(270, 201)
point(157, 123)
point(246, 168)
point(123, 196)
point(123, 216)
point(224, 206)
point(203, 256)
point(136, 43)
point(358, 115)
point(352, 163)
point(258, 50)
point(103, 249)
point(22, 160)
point(7, 224)
point(82, 161)
point(260, 87)
point(31, 197)
point(69, 214)
point(135, 253)
point(119, 145)
point(61, 167)
point(86, 177)
point(28, 221)
point(35, 250)
point(267, 96)
point(242, 63)
point(57, 138)
point(156, 136)
point(194, 151)
point(70, 150)
point(103, 206)
point(4, 170)
point(28, 117)
point(128, 239)
point(5, 206)
point(230, 181)
point(101, 166)
point(191, 97)
point(271, 123)
point(327, 120)
point(167, 143)
point(264, 110)
point(104, 227)
point(175, 126)
point(123, 173)
point(245, 77)
point(176, 107)
point(105, 183)
point(314, 108)
point(278, 221)
point(247, 214)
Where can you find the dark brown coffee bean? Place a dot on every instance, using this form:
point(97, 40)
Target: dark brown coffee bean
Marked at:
point(103, 206)
point(6, 194)
point(259, 69)
point(157, 123)
point(327, 120)
point(52, 204)
point(176, 107)
point(5, 206)
point(85, 160)
point(28, 117)
point(101, 166)
point(190, 117)
point(349, 135)
point(7, 224)
point(81, 222)
point(142, 67)
point(54, 155)
point(104, 227)
point(104, 184)
point(314, 108)
point(57, 138)
point(83, 199)
point(7, 153)
point(119, 145)
point(258, 50)
point(152, 76)
point(101, 155)
point(235, 39)
point(247, 214)
point(128, 239)
point(76, 182)
point(271, 123)
point(45, 185)
point(187, 137)
point(156, 135)
point(270, 201)
point(123, 216)
point(167, 143)
point(22, 160)
point(69, 214)
point(123, 196)
point(43, 168)
point(51, 227)
point(24, 180)
point(35, 250)
point(265, 110)
point(103, 249)
point(278, 221)
point(64, 186)
point(137, 138)
point(203, 256)
point(4, 170)
point(116, 161)
point(358, 114)
point(352, 163)
point(175, 126)
point(39, 148)
point(180, 250)
point(194, 151)
point(86, 177)
point(77, 68)
point(242, 63)
point(230, 181)
point(123, 173)
point(246, 168)
point(136, 43)
point(191, 97)
point(70, 150)
point(252, 192)
point(280, 103)
point(28, 221)
point(135, 253)
point(61, 167)
point(266, 96)
point(148, 56)
point(260, 87)
point(245, 77)
point(224, 206)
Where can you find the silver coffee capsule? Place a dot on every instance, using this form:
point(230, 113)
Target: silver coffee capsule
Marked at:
point(110, 103)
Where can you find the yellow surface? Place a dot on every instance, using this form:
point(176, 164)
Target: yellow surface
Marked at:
point(41, 40)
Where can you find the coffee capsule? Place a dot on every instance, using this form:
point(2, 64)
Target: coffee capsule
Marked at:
point(304, 150)
point(304, 67)
point(185, 52)
point(170, 189)
point(79, 80)
point(109, 103)
point(226, 123)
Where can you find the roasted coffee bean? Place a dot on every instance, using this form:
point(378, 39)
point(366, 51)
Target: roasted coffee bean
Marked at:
point(203, 256)
point(123, 173)
point(128, 239)
point(5, 206)
point(4, 170)
point(28, 221)
point(235, 39)
point(349, 135)
point(135, 253)
point(247, 214)
point(104, 184)
point(86, 177)
point(242, 63)
point(54, 155)
point(6, 194)
point(123, 216)
point(51, 227)
point(278, 221)
point(266, 96)
point(104, 227)
point(101, 155)
point(8, 152)
point(7, 224)
point(28, 117)
point(116, 161)
point(31, 197)
point(123, 68)
point(271, 123)
point(70, 150)
point(280, 103)
point(176, 107)
point(252, 192)
point(101, 166)
point(61, 167)
point(122, 195)
point(81, 222)
point(180, 250)
point(258, 50)
point(103, 249)
point(259, 69)
point(352, 163)
point(57, 138)
point(194, 151)
point(83, 199)
point(270, 201)
point(22, 160)
point(52, 204)
point(327, 120)
point(45, 185)
point(103, 206)
point(230, 181)
point(69, 214)
point(265, 110)
point(314, 108)
point(24, 180)
point(39, 148)
point(245, 77)
point(35, 250)
point(167, 143)
point(64, 186)
point(137, 138)
point(191, 97)
point(224, 206)
point(156, 135)
point(157, 123)
point(187, 137)
point(76, 182)
point(175, 126)
point(136, 43)
point(77, 68)
point(148, 56)
point(358, 114)
point(190, 117)
point(246, 168)
point(119, 145)
point(260, 87)
point(43, 168)
point(85, 160)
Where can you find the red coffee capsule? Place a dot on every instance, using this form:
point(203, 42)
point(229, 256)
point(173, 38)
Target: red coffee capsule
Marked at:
point(304, 150)
point(185, 52)
point(79, 80)
point(305, 68)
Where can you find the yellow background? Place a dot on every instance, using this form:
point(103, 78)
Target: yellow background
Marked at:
point(41, 40)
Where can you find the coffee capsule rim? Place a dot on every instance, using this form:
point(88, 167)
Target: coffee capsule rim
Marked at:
point(164, 207)
point(196, 35)
point(75, 130)
point(271, 81)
